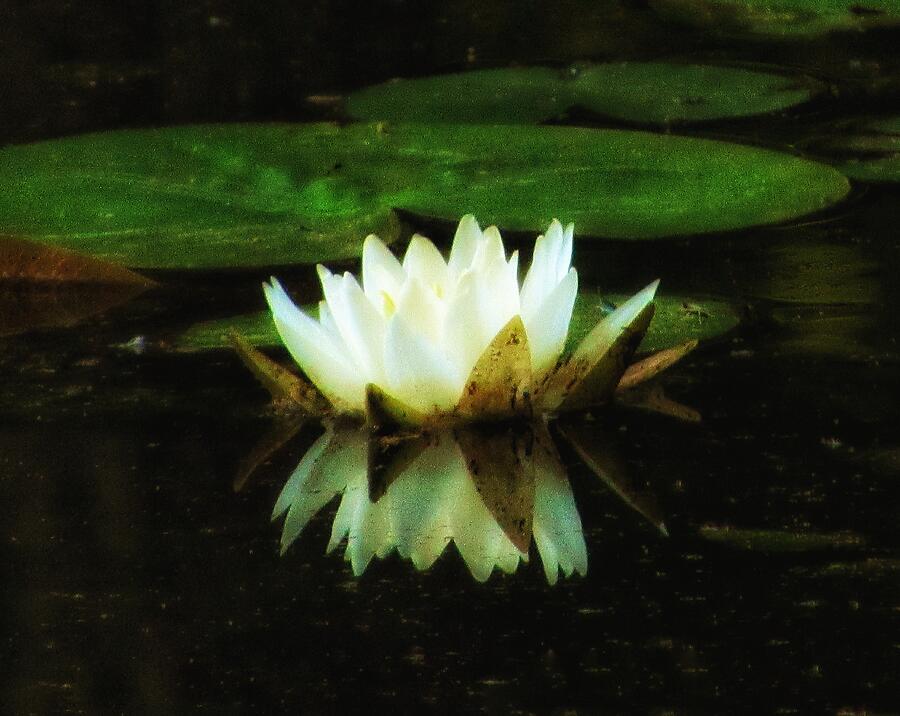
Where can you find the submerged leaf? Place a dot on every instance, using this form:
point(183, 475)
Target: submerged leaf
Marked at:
point(765, 540)
point(867, 150)
point(677, 319)
point(785, 18)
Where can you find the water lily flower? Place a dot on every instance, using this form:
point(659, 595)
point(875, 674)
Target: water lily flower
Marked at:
point(429, 336)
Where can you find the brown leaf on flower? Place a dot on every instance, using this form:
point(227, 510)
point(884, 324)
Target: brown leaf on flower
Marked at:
point(387, 414)
point(500, 465)
point(590, 375)
point(289, 391)
point(653, 365)
point(500, 382)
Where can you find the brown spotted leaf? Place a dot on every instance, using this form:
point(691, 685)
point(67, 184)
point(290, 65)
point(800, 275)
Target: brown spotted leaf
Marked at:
point(653, 365)
point(289, 391)
point(591, 374)
point(500, 382)
point(386, 414)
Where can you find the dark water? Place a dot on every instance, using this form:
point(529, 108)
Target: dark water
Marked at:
point(138, 581)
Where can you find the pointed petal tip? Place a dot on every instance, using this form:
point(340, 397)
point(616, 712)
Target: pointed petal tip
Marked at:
point(663, 530)
point(323, 272)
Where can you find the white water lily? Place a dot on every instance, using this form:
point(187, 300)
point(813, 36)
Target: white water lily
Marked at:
point(416, 329)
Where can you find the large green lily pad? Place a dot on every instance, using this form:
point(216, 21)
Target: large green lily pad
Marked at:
point(643, 92)
point(676, 320)
point(781, 18)
point(250, 195)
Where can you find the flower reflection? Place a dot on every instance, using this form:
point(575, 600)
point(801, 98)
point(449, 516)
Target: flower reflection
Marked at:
point(489, 494)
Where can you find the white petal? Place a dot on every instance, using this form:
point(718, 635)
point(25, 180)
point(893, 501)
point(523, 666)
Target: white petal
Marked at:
point(381, 271)
point(316, 352)
point(361, 327)
point(490, 250)
point(421, 309)
point(471, 322)
point(465, 244)
point(424, 261)
point(557, 525)
point(564, 259)
point(548, 326)
point(417, 371)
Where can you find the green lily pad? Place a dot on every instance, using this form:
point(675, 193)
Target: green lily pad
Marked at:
point(517, 95)
point(677, 319)
point(644, 92)
point(251, 195)
point(193, 197)
point(785, 18)
point(661, 93)
point(611, 183)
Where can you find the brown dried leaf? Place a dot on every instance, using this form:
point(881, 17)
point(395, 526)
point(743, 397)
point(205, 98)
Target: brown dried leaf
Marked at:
point(386, 414)
point(500, 382)
point(46, 287)
point(653, 365)
point(289, 391)
point(591, 374)
point(31, 261)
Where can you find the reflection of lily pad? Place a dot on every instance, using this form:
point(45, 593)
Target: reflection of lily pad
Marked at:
point(249, 195)
point(763, 540)
point(676, 320)
point(645, 92)
point(781, 17)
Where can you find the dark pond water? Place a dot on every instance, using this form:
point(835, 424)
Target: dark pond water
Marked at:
point(137, 580)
